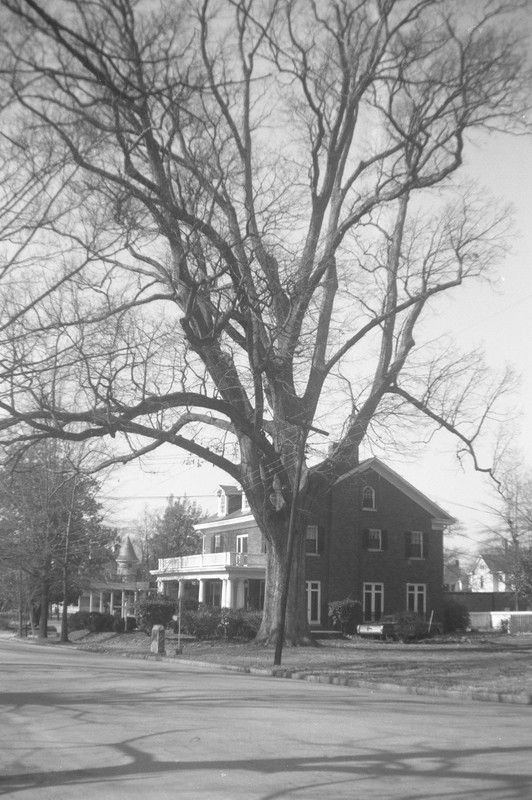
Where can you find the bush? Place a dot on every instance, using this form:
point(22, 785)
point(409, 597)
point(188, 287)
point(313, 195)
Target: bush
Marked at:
point(455, 616)
point(155, 612)
point(203, 623)
point(208, 622)
point(119, 625)
point(343, 614)
point(92, 621)
point(409, 625)
point(237, 623)
point(9, 620)
point(131, 624)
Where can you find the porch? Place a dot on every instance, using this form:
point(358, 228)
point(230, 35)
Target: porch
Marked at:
point(228, 579)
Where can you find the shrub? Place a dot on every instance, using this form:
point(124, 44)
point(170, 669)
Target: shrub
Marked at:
point(203, 623)
point(343, 614)
point(208, 622)
point(455, 616)
point(155, 612)
point(7, 621)
point(410, 626)
point(90, 620)
point(237, 623)
point(119, 625)
point(131, 624)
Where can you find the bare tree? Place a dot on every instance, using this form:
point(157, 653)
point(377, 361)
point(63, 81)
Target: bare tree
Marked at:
point(234, 211)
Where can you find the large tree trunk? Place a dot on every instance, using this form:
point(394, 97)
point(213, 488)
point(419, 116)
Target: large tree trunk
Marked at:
point(296, 626)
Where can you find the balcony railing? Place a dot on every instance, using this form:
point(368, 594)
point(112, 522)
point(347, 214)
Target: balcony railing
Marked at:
point(211, 561)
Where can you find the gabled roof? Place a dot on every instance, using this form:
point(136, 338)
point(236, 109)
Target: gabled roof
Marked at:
point(496, 562)
point(229, 489)
point(376, 465)
point(214, 521)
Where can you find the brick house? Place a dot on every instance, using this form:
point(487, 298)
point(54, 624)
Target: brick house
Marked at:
point(372, 536)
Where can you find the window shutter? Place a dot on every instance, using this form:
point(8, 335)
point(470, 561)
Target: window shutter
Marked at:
point(213, 543)
point(384, 540)
point(320, 543)
point(365, 539)
point(425, 546)
point(408, 543)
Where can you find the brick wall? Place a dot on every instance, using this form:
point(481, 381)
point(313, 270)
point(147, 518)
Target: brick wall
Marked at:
point(344, 565)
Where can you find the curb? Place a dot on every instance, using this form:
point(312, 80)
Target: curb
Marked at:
point(333, 678)
point(337, 679)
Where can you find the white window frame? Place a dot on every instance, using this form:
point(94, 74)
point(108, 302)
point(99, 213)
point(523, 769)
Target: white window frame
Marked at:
point(420, 536)
point(217, 542)
point(222, 503)
point(313, 530)
point(373, 591)
point(241, 540)
point(416, 598)
point(313, 591)
point(371, 491)
point(375, 531)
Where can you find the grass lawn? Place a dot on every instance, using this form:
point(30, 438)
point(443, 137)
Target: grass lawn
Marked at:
point(498, 663)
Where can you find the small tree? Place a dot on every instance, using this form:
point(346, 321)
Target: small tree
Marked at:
point(172, 534)
point(51, 528)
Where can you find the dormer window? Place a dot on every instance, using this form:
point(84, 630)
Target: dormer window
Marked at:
point(245, 503)
point(368, 498)
point(222, 503)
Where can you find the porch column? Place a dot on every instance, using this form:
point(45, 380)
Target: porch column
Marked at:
point(91, 600)
point(101, 602)
point(112, 603)
point(224, 593)
point(123, 609)
point(201, 590)
point(240, 595)
point(227, 593)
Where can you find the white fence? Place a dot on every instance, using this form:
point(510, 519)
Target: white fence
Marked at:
point(508, 621)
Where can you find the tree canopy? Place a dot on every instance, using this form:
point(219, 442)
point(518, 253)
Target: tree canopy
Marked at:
point(51, 532)
point(230, 220)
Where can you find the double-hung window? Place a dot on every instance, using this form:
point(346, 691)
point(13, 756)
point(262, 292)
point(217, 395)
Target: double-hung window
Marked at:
point(311, 541)
point(416, 598)
point(373, 601)
point(416, 544)
point(374, 539)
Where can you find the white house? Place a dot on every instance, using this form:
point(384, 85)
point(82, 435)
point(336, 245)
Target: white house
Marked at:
point(231, 569)
point(491, 573)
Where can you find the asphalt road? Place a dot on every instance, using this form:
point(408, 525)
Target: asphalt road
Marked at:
point(81, 726)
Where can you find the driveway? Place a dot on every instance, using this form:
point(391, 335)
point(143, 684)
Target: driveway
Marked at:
point(81, 725)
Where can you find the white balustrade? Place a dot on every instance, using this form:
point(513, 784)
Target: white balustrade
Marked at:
point(209, 560)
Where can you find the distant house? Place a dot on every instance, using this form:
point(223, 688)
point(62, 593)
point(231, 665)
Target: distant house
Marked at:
point(455, 579)
point(372, 536)
point(491, 573)
point(117, 590)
